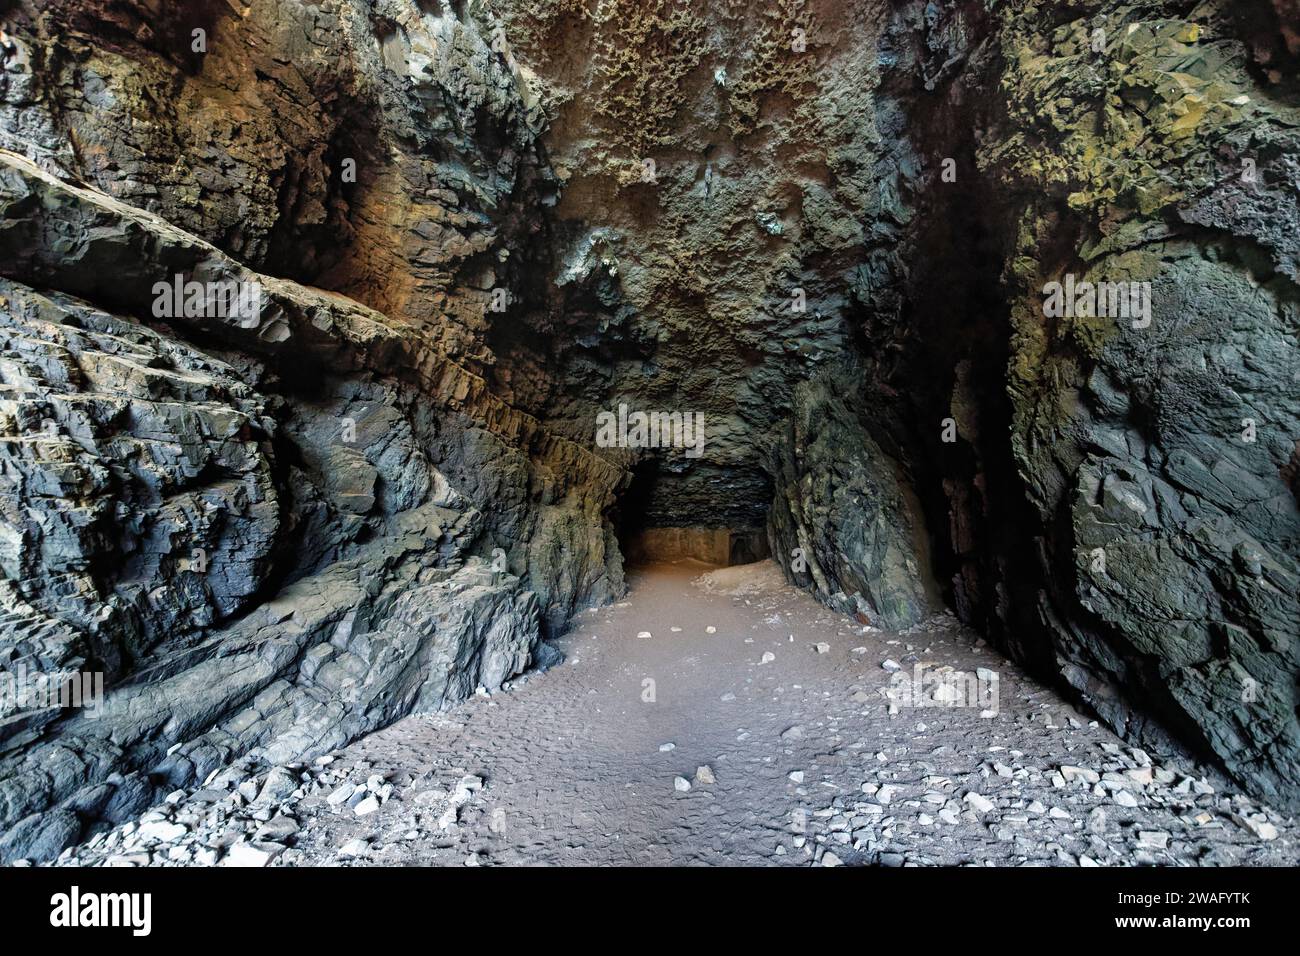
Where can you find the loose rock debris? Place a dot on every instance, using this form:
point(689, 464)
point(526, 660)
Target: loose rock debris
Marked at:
point(804, 761)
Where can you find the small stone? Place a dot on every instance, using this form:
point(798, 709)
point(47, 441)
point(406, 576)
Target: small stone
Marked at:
point(1072, 774)
point(354, 848)
point(1143, 776)
point(891, 666)
point(821, 647)
point(1125, 799)
point(710, 630)
point(368, 805)
point(681, 784)
point(644, 634)
point(251, 855)
point(1153, 839)
point(341, 795)
point(796, 776)
point(768, 657)
point(162, 831)
point(830, 859)
point(704, 775)
point(278, 829)
point(979, 802)
point(664, 748)
point(280, 783)
point(466, 786)
point(1261, 828)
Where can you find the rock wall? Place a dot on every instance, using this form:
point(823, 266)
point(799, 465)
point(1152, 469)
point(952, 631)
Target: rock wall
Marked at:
point(1124, 515)
point(843, 522)
point(1168, 496)
point(381, 151)
point(270, 533)
point(251, 576)
point(720, 185)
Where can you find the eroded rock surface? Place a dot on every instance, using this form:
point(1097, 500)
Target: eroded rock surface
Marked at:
point(273, 532)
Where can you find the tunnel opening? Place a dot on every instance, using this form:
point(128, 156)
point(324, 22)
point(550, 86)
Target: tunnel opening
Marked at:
point(669, 513)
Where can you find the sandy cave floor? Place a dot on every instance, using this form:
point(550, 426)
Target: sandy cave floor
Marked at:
point(573, 766)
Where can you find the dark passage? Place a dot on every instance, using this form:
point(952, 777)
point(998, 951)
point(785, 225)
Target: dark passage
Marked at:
point(663, 517)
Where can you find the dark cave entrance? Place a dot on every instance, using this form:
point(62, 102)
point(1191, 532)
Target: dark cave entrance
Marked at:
point(704, 512)
point(631, 511)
